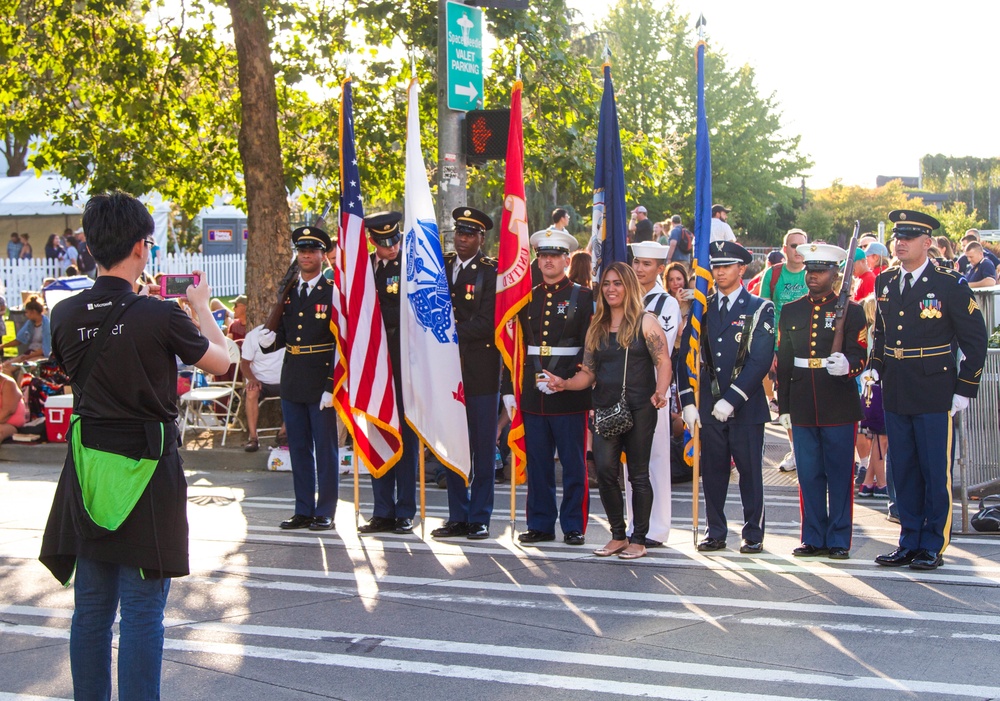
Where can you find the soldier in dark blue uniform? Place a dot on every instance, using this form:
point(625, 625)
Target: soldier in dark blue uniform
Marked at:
point(925, 313)
point(395, 492)
point(819, 402)
point(473, 280)
point(737, 348)
point(307, 385)
point(555, 325)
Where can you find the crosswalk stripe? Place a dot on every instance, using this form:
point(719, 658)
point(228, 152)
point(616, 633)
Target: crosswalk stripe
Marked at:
point(9, 696)
point(522, 654)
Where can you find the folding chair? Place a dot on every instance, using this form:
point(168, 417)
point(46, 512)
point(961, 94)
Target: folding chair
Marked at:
point(213, 406)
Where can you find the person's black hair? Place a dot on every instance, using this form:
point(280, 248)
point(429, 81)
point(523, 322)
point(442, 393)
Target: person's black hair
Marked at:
point(113, 223)
point(34, 305)
point(558, 214)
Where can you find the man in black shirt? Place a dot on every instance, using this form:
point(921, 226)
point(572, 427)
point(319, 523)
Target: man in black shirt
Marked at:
point(119, 516)
point(640, 227)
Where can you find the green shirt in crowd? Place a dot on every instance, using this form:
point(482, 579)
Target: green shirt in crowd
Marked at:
point(789, 287)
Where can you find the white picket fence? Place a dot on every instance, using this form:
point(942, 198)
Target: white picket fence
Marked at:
point(226, 273)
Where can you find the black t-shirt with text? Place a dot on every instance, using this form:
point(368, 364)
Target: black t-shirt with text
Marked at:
point(135, 376)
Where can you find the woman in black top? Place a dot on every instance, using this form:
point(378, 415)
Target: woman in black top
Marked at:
point(619, 324)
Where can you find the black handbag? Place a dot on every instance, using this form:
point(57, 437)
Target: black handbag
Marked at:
point(616, 419)
point(987, 519)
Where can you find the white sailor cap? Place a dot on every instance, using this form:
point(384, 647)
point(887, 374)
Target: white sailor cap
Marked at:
point(821, 256)
point(553, 241)
point(649, 249)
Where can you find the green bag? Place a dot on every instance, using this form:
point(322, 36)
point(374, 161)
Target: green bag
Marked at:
point(110, 484)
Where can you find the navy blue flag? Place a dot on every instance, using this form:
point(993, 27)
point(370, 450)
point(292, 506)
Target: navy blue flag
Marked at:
point(702, 224)
point(610, 223)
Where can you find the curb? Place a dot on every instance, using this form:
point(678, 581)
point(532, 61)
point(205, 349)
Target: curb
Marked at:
point(204, 459)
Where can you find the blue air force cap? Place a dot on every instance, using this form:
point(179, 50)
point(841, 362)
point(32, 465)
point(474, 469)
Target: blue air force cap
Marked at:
point(728, 253)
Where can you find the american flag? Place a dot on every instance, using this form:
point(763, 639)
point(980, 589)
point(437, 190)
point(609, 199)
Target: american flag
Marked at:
point(364, 394)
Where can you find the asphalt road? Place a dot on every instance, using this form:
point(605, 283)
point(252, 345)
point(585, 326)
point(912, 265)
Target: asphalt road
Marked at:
point(279, 615)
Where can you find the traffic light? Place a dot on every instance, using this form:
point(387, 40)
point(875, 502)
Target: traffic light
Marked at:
point(486, 135)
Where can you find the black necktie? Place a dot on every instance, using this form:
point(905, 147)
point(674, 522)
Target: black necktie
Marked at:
point(907, 279)
point(724, 308)
point(304, 290)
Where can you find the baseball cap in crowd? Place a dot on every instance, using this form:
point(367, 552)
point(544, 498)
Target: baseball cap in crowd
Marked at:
point(716, 208)
point(876, 249)
point(640, 209)
point(775, 257)
point(239, 299)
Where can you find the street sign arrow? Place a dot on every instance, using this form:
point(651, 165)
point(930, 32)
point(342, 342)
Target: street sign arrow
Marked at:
point(468, 91)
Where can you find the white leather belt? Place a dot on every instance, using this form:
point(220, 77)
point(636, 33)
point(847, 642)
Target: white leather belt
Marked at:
point(812, 363)
point(554, 350)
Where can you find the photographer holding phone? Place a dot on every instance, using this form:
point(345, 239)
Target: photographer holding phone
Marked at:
point(119, 516)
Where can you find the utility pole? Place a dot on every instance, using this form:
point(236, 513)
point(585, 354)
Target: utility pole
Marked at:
point(451, 171)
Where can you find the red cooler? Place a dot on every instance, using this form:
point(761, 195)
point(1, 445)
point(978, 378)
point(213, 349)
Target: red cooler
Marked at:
point(58, 409)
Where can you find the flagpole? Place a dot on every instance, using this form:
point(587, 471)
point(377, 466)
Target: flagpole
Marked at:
point(423, 494)
point(357, 492)
point(696, 434)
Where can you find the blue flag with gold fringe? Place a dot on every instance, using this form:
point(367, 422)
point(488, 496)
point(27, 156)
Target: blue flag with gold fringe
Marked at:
point(609, 221)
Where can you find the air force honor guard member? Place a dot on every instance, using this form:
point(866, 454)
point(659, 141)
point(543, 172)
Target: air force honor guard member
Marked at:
point(473, 280)
point(924, 312)
point(737, 349)
point(649, 261)
point(818, 401)
point(555, 324)
point(306, 384)
point(395, 492)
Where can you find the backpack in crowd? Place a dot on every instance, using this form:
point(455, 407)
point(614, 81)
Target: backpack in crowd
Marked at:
point(686, 242)
point(775, 274)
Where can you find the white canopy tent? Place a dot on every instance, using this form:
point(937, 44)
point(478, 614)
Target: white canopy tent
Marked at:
point(31, 204)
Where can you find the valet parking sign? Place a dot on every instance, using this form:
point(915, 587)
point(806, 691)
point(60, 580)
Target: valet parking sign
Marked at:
point(465, 56)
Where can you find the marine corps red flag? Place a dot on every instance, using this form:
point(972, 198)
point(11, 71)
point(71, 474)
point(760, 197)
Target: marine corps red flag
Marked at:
point(514, 278)
point(364, 391)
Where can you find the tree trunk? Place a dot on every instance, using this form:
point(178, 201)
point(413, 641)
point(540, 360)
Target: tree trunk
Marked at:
point(268, 238)
point(16, 153)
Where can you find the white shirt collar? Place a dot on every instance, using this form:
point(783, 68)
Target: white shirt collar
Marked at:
point(916, 274)
point(312, 283)
point(732, 297)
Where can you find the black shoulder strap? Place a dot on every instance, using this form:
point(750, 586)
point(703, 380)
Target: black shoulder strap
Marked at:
point(660, 301)
point(83, 374)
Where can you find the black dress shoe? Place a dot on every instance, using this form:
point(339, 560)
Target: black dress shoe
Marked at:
point(806, 550)
point(650, 543)
point(451, 529)
point(478, 531)
point(297, 521)
point(574, 538)
point(378, 524)
point(897, 558)
point(403, 526)
point(749, 547)
point(321, 523)
point(926, 560)
point(840, 554)
point(710, 544)
point(533, 536)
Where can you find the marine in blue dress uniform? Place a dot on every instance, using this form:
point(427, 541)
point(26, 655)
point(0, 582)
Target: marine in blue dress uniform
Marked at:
point(395, 492)
point(555, 325)
point(307, 385)
point(473, 280)
point(925, 313)
point(737, 349)
point(818, 400)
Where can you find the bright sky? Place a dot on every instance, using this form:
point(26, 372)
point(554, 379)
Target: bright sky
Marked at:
point(870, 86)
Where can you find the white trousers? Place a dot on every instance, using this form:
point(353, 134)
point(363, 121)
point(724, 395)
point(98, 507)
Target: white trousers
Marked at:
point(659, 478)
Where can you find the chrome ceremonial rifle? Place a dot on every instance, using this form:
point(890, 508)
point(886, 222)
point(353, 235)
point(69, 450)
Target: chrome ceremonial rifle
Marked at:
point(287, 281)
point(844, 297)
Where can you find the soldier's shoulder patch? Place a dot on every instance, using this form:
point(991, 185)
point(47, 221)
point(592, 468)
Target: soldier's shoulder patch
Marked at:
point(949, 272)
point(486, 260)
point(450, 255)
point(973, 305)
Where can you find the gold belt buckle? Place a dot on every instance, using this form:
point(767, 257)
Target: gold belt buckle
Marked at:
point(545, 351)
point(294, 350)
point(896, 353)
point(816, 363)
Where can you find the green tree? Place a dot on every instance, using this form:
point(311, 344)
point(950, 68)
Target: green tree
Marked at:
point(815, 220)
point(847, 203)
point(956, 220)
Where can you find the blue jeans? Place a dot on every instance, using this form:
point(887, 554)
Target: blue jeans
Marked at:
point(99, 588)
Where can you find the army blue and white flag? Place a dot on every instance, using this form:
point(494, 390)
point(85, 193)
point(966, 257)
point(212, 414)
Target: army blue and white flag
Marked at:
point(433, 396)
